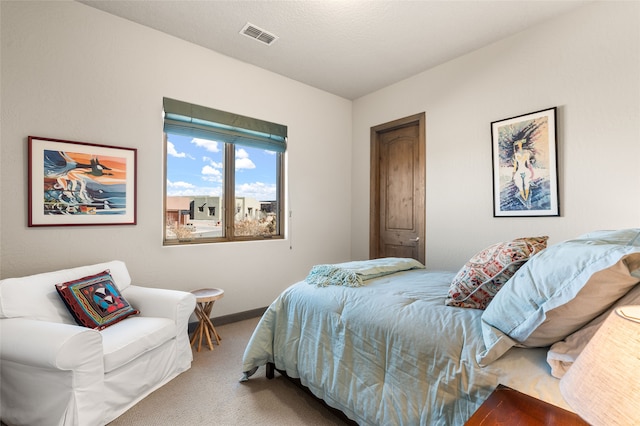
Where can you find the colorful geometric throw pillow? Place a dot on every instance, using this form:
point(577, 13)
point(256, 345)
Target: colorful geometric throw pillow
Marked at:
point(485, 273)
point(95, 301)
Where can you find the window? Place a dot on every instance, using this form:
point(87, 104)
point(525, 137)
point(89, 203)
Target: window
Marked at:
point(223, 176)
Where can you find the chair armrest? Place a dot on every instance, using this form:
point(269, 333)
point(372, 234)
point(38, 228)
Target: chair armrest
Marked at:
point(50, 345)
point(159, 302)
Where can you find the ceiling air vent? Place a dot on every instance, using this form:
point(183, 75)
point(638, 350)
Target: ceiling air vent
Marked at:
point(259, 34)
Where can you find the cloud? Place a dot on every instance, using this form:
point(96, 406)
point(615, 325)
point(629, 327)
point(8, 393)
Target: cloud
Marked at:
point(171, 150)
point(211, 174)
point(180, 184)
point(181, 188)
point(243, 161)
point(212, 162)
point(211, 146)
point(258, 190)
point(195, 192)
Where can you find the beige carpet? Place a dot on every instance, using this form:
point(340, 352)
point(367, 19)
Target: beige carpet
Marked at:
point(210, 393)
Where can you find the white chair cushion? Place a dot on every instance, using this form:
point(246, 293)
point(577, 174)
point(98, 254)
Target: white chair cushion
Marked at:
point(35, 296)
point(132, 337)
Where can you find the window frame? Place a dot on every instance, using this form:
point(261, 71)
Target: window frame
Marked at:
point(228, 202)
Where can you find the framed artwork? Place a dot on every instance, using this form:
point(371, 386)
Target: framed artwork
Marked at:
point(79, 183)
point(525, 168)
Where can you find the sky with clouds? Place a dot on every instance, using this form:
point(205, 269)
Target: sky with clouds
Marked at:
point(195, 167)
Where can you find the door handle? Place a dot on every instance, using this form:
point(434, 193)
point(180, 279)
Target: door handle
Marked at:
point(414, 240)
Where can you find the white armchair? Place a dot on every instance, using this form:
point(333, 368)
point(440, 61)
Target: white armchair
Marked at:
point(54, 372)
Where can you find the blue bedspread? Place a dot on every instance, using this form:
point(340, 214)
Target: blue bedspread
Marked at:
point(391, 352)
point(354, 274)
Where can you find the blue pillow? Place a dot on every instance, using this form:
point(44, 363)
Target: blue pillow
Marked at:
point(559, 290)
point(624, 237)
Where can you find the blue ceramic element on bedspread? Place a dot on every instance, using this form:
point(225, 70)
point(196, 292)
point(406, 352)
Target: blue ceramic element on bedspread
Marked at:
point(389, 353)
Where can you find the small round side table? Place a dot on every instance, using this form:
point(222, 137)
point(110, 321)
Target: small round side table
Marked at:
point(204, 302)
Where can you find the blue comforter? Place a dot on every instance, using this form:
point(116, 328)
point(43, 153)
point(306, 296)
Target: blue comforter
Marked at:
point(391, 352)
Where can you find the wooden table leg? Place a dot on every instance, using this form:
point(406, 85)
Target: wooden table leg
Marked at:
point(208, 324)
point(205, 299)
point(195, 333)
point(205, 326)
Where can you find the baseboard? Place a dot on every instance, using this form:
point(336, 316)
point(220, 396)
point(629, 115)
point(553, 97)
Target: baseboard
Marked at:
point(228, 319)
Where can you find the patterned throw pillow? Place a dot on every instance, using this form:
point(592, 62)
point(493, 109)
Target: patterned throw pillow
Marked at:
point(95, 301)
point(484, 274)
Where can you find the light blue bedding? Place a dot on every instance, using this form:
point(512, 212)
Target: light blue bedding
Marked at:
point(355, 273)
point(391, 352)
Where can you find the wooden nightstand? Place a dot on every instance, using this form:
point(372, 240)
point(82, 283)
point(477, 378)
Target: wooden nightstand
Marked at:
point(506, 406)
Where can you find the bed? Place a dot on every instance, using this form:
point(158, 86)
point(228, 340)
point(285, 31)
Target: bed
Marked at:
point(422, 347)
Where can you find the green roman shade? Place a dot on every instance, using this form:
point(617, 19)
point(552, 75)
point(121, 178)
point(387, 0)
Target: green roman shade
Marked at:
point(183, 118)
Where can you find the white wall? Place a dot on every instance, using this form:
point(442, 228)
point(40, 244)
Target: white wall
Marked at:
point(71, 72)
point(75, 73)
point(586, 63)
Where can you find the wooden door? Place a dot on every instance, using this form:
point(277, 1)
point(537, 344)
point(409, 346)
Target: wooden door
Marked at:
point(397, 222)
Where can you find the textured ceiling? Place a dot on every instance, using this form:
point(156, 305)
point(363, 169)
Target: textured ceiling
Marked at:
point(348, 48)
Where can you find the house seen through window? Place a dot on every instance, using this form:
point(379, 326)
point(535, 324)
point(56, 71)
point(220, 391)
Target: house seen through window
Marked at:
point(223, 176)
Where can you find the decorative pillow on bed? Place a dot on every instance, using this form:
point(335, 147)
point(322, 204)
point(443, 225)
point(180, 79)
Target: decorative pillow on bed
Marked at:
point(94, 301)
point(559, 291)
point(562, 354)
point(485, 273)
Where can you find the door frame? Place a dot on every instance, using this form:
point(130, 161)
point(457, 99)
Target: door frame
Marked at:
point(420, 191)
